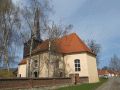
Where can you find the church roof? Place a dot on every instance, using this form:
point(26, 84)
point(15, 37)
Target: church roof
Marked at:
point(66, 45)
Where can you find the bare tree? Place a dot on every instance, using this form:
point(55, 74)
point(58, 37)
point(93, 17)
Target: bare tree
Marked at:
point(114, 63)
point(9, 24)
point(35, 17)
point(36, 20)
point(105, 68)
point(95, 48)
point(55, 32)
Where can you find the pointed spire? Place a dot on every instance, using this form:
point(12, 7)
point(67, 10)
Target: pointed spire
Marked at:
point(37, 25)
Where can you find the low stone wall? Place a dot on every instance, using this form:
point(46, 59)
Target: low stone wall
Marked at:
point(33, 82)
point(78, 80)
point(83, 79)
point(40, 82)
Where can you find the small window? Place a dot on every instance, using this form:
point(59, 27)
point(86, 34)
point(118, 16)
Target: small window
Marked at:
point(77, 65)
point(36, 63)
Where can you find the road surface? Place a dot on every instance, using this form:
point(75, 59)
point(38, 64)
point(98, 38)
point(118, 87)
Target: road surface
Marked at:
point(111, 84)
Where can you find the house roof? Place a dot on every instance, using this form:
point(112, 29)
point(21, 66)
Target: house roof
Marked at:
point(23, 61)
point(113, 72)
point(65, 45)
point(103, 72)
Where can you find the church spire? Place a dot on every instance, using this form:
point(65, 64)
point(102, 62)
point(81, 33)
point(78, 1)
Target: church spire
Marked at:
point(37, 25)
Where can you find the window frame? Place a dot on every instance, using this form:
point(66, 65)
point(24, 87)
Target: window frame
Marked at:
point(77, 65)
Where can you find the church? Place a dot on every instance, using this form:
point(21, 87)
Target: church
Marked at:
point(66, 55)
point(72, 57)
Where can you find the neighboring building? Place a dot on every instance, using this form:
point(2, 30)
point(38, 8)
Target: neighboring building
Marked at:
point(71, 56)
point(104, 73)
point(107, 73)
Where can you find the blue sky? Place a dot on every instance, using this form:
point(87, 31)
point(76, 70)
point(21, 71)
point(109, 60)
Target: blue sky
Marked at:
point(92, 19)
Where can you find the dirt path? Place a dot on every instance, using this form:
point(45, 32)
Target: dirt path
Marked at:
point(112, 84)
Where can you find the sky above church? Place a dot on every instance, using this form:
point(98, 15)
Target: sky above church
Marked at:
point(92, 19)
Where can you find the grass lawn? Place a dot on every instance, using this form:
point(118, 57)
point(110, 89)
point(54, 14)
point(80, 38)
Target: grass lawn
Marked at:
point(91, 86)
point(6, 74)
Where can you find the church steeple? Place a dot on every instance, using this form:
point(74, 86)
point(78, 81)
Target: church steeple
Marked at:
point(36, 29)
point(35, 34)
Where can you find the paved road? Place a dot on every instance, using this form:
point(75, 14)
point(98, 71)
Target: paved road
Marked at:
point(112, 84)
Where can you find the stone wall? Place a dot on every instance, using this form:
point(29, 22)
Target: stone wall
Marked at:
point(33, 82)
point(16, 83)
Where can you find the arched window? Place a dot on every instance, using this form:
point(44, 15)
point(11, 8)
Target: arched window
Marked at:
point(77, 64)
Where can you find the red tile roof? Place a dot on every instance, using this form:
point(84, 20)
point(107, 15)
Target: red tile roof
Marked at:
point(65, 45)
point(113, 72)
point(103, 72)
point(72, 44)
point(24, 61)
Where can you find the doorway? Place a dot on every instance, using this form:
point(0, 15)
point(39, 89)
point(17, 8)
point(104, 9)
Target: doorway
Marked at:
point(35, 74)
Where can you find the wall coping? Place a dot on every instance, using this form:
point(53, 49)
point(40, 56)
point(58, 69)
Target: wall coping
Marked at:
point(32, 78)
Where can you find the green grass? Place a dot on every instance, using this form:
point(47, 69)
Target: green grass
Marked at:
point(91, 86)
point(6, 74)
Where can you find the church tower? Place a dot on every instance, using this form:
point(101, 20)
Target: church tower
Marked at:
point(36, 27)
point(36, 36)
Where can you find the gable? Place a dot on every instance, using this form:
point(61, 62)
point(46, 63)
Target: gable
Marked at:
point(72, 44)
